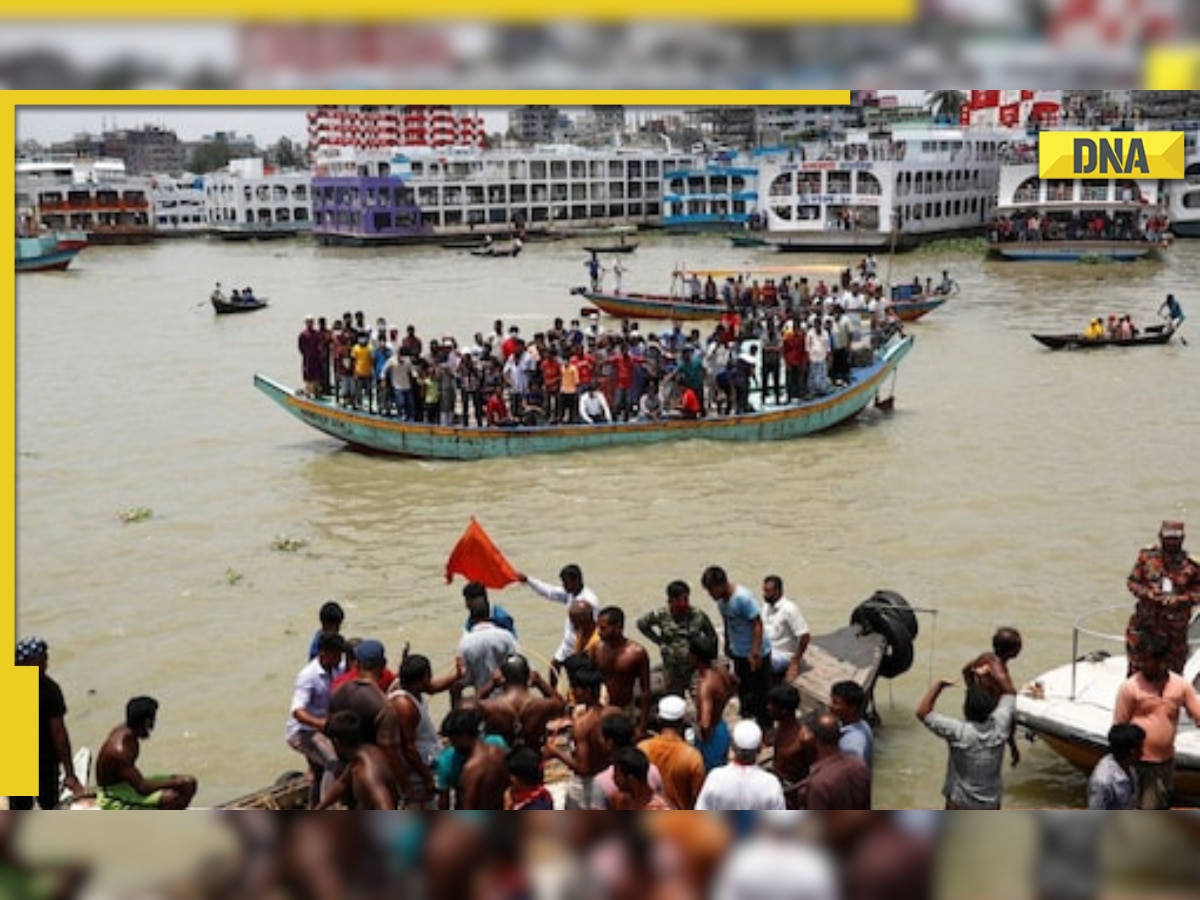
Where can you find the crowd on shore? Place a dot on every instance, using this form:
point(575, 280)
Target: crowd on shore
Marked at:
point(780, 343)
point(719, 729)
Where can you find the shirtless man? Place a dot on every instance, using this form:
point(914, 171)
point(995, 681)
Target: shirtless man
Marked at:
point(484, 777)
point(121, 784)
point(991, 670)
point(625, 665)
point(795, 749)
point(517, 714)
point(588, 756)
point(367, 775)
point(715, 686)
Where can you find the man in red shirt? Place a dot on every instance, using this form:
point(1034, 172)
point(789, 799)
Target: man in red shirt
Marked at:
point(795, 360)
point(497, 412)
point(623, 405)
point(689, 404)
point(551, 384)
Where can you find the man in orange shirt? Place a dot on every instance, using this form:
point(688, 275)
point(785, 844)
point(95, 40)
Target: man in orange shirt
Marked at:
point(1152, 699)
point(680, 763)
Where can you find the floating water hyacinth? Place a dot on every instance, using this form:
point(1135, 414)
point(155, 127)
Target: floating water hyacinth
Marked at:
point(232, 576)
point(136, 514)
point(288, 544)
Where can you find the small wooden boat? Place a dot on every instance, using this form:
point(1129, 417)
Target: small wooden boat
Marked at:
point(651, 306)
point(749, 240)
point(382, 434)
point(1155, 335)
point(1070, 708)
point(500, 252)
point(224, 306)
point(611, 248)
point(472, 244)
point(289, 792)
point(911, 310)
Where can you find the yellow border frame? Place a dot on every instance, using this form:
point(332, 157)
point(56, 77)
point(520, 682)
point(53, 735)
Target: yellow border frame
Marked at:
point(18, 686)
point(757, 12)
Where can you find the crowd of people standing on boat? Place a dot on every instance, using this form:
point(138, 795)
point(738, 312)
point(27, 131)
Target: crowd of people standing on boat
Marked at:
point(773, 344)
point(1099, 226)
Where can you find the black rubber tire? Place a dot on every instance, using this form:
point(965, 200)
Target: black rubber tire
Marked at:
point(889, 615)
point(885, 601)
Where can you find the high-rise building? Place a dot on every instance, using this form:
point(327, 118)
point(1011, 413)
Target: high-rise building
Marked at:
point(533, 124)
point(385, 127)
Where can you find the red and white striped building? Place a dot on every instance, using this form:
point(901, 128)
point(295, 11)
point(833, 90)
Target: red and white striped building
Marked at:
point(389, 127)
point(1012, 108)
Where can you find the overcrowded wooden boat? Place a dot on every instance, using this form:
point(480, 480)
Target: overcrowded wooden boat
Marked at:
point(383, 434)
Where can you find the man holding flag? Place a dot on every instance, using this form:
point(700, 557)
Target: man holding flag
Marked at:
point(479, 560)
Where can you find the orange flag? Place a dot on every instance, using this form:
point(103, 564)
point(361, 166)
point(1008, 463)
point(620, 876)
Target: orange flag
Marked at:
point(476, 558)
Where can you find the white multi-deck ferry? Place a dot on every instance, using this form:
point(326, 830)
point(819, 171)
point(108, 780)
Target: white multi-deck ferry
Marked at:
point(96, 197)
point(1064, 219)
point(410, 195)
point(177, 206)
point(249, 201)
point(860, 190)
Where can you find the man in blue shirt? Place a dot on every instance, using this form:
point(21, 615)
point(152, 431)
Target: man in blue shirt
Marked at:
point(744, 642)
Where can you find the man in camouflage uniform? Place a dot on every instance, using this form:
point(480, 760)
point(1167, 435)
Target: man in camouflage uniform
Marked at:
point(1166, 582)
point(672, 627)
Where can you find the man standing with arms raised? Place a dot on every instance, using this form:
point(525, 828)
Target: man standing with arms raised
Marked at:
point(572, 589)
point(745, 642)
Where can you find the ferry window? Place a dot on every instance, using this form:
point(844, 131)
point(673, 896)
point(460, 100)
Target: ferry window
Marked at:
point(300, 214)
point(579, 192)
point(920, 182)
point(928, 210)
point(974, 204)
point(718, 184)
point(739, 183)
point(785, 212)
point(519, 194)
point(635, 168)
point(616, 168)
point(940, 182)
point(839, 182)
point(869, 185)
point(1059, 189)
point(1094, 191)
point(1191, 200)
point(937, 210)
point(616, 191)
point(958, 207)
point(1027, 191)
point(578, 168)
point(537, 168)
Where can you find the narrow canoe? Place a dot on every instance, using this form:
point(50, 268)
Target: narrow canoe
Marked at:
point(610, 248)
point(425, 441)
point(225, 307)
point(1080, 342)
point(911, 310)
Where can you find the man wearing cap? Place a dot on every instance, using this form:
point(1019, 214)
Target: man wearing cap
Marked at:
point(741, 784)
point(681, 765)
point(1166, 582)
point(309, 344)
point(377, 717)
point(54, 744)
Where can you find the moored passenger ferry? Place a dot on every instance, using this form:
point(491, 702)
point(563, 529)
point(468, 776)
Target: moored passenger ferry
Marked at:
point(93, 196)
point(413, 195)
point(1058, 219)
point(850, 192)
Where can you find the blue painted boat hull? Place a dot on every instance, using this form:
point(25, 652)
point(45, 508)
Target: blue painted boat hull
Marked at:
point(419, 440)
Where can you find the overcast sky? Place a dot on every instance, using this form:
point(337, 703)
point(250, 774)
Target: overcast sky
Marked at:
point(266, 124)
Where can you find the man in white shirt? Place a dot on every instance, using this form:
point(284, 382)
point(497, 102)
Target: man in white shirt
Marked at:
point(786, 629)
point(310, 711)
point(593, 407)
point(572, 589)
point(741, 784)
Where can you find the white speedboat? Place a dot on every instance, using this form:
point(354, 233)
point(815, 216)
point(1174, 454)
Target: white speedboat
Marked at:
point(1070, 708)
